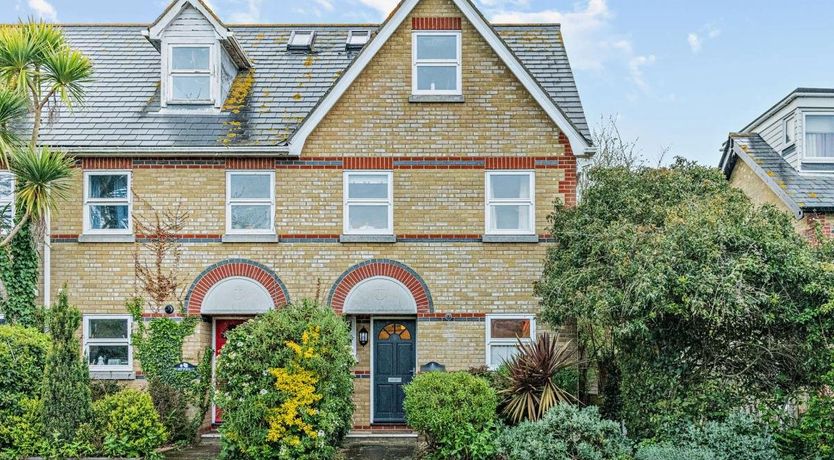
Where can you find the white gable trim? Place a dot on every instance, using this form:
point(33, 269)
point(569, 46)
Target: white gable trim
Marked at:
point(579, 144)
point(175, 8)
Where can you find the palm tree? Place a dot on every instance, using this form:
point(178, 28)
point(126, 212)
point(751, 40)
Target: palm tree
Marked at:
point(37, 68)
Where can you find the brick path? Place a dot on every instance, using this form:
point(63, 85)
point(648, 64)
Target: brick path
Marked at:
point(354, 449)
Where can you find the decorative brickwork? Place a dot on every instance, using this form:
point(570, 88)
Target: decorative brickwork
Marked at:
point(230, 268)
point(388, 268)
point(106, 163)
point(436, 23)
point(250, 163)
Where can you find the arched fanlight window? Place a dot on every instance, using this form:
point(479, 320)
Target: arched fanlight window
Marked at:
point(394, 329)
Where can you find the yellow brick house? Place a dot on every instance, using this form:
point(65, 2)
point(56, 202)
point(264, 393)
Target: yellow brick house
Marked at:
point(401, 172)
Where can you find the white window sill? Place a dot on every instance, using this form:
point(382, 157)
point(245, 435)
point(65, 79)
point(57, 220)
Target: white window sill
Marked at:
point(510, 238)
point(106, 238)
point(250, 238)
point(436, 98)
point(367, 238)
point(112, 374)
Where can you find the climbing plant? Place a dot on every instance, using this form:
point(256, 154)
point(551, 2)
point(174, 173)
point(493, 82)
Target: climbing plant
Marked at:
point(19, 273)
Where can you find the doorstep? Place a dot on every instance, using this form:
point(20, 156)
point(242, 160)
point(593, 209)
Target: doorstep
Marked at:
point(381, 431)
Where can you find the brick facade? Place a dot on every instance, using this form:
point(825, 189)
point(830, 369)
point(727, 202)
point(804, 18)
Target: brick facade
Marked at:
point(439, 155)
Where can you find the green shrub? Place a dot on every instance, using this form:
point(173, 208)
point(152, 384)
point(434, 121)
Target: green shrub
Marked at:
point(128, 424)
point(811, 434)
point(99, 389)
point(739, 437)
point(657, 452)
point(22, 357)
point(565, 431)
point(182, 399)
point(456, 412)
point(66, 382)
point(285, 385)
point(21, 435)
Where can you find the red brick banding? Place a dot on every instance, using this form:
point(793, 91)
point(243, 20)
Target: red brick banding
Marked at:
point(386, 268)
point(235, 268)
point(449, 23)
point(106, 163)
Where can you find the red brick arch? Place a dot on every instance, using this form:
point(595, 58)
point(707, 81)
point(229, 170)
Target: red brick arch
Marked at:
point(381, 267)
point(235, 268)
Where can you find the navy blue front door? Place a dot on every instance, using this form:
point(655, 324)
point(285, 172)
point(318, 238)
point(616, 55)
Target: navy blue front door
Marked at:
point(394, 360)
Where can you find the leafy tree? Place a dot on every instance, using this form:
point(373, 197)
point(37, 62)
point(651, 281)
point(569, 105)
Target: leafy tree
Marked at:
point(38, 73)
point(67, 403)
point(702, 301)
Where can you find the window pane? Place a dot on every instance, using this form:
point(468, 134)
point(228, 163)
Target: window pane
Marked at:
point(190, 58)
point(368, 186)
point(437, 47)
point(251, 186)
point(108, 186)
point(301, 38)
point(192, 88)
point(251, 217)
point(509, 328)
point(105, 217)
point(359, 37)
point(437, 78)
point(108, 355)
point(510, 186)
point(6, 186)
point(819, 136)
point(511, 217)
point(368, 217)
point(108, 328)
point(500, 353)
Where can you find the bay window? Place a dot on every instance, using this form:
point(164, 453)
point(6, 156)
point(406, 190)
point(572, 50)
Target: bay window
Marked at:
point(368, 203)
point(250, 202)
point(107, 342)
point(503, 333)
point(107, 202)
point(510, 202)
point(436, 63)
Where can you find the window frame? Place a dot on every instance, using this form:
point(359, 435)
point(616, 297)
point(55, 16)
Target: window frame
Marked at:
point(789, 140)
point(417, 63)
point(805, 155)
point(11, 200)
point(349, 45)
point(250, 201)
point(171, 73)
point(490, 342)
point(291, 46)
point(87, 341)
point(489, 202)
point(347, 202)
point(88, 230)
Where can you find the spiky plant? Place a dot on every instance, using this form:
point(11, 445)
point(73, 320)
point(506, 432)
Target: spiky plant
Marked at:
point(43, 178)
point(13, 107)
point(529, 387)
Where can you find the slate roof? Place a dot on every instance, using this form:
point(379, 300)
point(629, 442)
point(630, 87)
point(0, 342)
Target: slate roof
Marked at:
point(122, 102)
point(807, 192)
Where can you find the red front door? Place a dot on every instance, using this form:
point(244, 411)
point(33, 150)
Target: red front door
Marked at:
point(222, 327)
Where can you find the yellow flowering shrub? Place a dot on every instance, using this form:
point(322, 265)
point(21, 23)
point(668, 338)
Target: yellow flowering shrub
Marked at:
point(287, 421)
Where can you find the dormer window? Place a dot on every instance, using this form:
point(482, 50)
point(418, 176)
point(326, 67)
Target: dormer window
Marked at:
point(819, 136)
point(190, 75)
point(437, 63)
point(357, 39)
point(301, 40)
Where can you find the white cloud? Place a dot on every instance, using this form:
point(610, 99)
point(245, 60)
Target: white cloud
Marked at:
point(43, 9)
point(250, 11)
point(382, 6)
point(326, 5)
point(694, 42)
point(592, 41)
point(696, 39)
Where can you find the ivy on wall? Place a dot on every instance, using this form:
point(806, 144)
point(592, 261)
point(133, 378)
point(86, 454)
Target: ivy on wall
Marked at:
point(19, 271)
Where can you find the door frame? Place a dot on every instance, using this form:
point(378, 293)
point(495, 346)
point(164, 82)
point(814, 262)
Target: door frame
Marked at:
point(214, 355)
point(373, 353)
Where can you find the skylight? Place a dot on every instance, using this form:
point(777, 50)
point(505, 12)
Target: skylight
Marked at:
point(301, 40)
point(357, 39)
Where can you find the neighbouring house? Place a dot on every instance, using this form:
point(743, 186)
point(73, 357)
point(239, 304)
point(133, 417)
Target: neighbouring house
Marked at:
point(403, 172)
point(785, 157)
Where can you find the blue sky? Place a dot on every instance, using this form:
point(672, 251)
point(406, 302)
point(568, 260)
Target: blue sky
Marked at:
point(677, 73)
